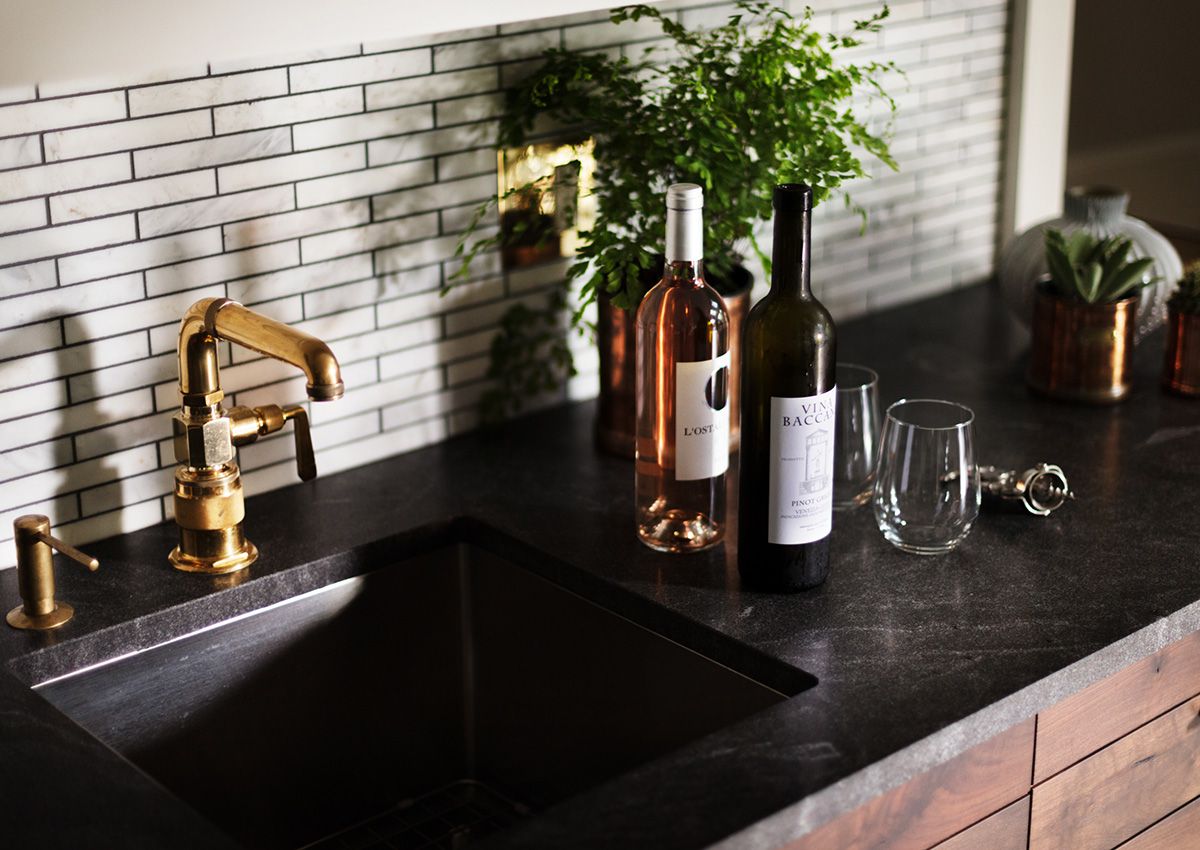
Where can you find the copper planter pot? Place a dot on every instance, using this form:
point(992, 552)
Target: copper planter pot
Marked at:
point(1181, 373)
point(616, 418)
point(1082, 352)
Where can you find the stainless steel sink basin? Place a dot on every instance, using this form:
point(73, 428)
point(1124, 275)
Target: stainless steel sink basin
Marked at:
point(455, 691)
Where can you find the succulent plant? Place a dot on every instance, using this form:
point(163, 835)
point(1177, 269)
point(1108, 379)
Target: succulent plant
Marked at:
point(1086, 268)
point(1186, 299)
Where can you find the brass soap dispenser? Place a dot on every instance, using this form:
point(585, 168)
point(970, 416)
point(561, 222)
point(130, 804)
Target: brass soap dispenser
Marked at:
point(35, 574)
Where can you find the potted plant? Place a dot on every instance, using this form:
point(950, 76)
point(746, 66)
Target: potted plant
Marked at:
point(1083, 317)
point(736, 108)
point(1182, 370)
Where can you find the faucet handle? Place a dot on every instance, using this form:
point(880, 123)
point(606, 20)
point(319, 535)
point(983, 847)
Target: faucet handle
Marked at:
point(250, 423)
point(306, 461)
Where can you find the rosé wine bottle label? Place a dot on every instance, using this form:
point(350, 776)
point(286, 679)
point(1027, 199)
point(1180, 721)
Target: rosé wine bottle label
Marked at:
point(702, 418)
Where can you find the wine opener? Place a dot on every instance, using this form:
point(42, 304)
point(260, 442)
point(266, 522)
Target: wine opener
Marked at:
point(1040, 490)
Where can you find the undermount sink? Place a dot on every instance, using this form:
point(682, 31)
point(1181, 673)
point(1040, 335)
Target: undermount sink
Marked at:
point(425, 703)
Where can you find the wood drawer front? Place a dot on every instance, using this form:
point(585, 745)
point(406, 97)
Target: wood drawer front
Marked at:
point(1122, 789)
point(1180, 831)
point(939, 803)
point(1100, 714)
point(1008, 829)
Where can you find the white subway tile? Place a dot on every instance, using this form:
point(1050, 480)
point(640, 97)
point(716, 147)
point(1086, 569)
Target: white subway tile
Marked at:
point(294, 57)
point(487, 315)
point(216, 151)
point(35, 398)
point(606, 33)
point(22, 215)
point(375, 396)
point(66, 300)
point(360, 69)
point(355, 240)
point(66, 238)
point(487, 51)
point(539, 276)
point(464, 110)
point(267, 287)
point(479, 161)
point(207, 91)
point(139, 315)
point(288, 110)
point(37, 116)
point(60, 177)
point(16, 94)
point(973, 45)
point(355, 128)
point(357, 184)
point(421, 145)
point(25, 340)
point(291, 225)
point(68, 420)
point(469, 33)
point(344, 297)
point(421, 304)
point(429, 406)
point(422, 253)
point(218, 210)
point(20, 150)
point(391, 443)
point(457, 219)
point(467, 371)
point(432, 87)
point(58, 88)
point(15, 280)
point(127, 519)
point(221, 267)
point(127, 376)
point(135, 195)
point(435, 195)
point(553, 22)
point(392, 339)
point(55, 482)
point(127, 135)
point(298, 166)
point(37, 458)
point(132, 432)
point(140, 255)
point(51, 365)
point(132, 490)
point(339, 325)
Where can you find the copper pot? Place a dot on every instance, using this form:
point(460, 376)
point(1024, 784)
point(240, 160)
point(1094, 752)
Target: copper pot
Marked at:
point(1082, 352)
point(616, 418)
point(1181, 373)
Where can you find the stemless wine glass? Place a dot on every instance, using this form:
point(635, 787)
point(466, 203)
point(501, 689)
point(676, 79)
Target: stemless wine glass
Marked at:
point(927, 483)
point(856, 442)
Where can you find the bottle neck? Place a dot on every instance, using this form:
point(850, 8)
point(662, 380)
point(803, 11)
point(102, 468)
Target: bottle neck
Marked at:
point(683, 272)
point(790, 265)
point(685, 236)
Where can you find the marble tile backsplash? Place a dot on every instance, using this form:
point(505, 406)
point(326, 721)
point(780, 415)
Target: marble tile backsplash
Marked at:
point(328, 190)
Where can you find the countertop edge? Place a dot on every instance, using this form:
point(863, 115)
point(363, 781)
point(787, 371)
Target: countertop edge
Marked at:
point(814, 811)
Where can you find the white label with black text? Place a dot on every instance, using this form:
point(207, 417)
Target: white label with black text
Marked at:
point(702, 418)
point(801, 498)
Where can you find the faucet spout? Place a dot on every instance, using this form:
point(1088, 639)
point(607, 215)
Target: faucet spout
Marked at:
point(213, 319)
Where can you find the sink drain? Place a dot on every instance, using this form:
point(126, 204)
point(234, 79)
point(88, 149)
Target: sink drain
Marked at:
point(450, 818)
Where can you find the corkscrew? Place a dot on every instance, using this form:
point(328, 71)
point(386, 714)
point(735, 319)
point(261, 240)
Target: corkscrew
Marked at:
point(1041, 489)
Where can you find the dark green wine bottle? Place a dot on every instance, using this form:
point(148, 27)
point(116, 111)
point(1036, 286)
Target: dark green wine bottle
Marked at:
point(785, 505)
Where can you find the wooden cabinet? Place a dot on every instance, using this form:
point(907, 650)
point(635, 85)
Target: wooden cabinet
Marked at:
point(1117, 764)
point(1122, 789)
point(939, 803)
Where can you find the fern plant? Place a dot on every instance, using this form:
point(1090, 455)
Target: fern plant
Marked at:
point(1086, 268)
point(1186, 298)
point(737, 108)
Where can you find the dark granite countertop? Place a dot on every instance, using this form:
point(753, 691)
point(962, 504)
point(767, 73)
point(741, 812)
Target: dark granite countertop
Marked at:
point(917, 659)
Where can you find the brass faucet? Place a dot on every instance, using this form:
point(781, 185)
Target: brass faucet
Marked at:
point(209, 507)
point(35, 574)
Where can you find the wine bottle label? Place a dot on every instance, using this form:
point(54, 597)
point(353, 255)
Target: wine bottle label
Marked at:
point(801, 478)
point(702, 418)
